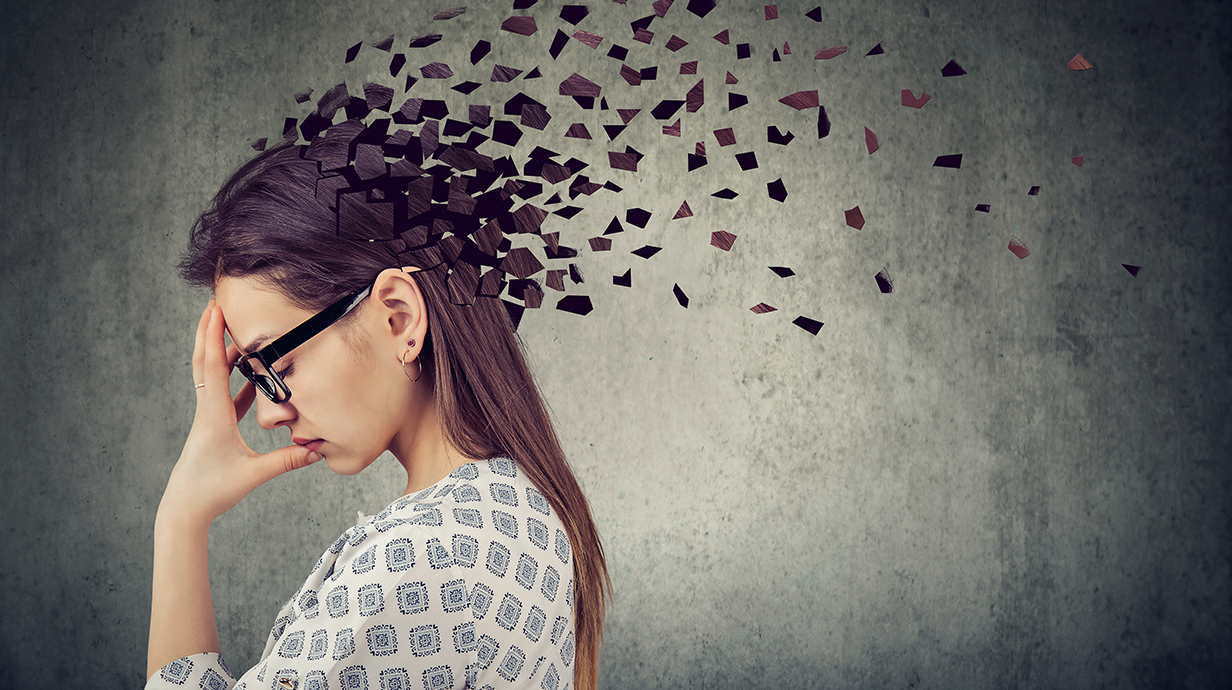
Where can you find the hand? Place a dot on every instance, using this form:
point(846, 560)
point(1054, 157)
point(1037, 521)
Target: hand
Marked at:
point(217, 469)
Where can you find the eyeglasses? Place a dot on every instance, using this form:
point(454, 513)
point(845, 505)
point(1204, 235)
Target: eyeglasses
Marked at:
point(258, 367)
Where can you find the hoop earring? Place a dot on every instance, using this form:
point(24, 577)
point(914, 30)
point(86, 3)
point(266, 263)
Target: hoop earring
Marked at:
point(408, 376)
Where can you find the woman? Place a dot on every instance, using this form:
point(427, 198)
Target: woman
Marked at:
point(488, 570)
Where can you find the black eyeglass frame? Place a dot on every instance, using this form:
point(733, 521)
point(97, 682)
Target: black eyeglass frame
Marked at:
point(268, 355)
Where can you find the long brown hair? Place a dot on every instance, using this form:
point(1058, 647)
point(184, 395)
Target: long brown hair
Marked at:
point(271, 220)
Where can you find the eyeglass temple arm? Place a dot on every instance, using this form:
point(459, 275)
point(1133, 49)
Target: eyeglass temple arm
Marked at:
point(315, 324)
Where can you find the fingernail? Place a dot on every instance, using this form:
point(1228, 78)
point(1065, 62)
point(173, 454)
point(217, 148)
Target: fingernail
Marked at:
point(313, 457)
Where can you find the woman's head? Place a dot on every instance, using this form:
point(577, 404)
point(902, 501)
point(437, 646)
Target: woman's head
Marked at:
point(280, 242)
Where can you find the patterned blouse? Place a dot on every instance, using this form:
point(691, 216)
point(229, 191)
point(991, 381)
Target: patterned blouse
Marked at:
point(467, 584)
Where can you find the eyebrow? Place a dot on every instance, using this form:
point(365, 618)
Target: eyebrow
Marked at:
point(256, 344)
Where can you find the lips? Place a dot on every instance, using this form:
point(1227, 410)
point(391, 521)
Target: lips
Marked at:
point(314, 445)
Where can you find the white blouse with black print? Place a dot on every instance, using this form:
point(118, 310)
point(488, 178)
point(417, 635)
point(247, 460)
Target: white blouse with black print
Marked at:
point(467, 584)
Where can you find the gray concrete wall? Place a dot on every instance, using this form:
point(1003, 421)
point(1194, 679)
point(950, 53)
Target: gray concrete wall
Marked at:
point(1005, 474)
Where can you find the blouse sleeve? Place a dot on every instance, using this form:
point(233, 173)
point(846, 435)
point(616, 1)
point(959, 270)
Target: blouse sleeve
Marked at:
point(206, 671)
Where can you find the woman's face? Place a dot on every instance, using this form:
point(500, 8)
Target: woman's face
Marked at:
point(346, 400)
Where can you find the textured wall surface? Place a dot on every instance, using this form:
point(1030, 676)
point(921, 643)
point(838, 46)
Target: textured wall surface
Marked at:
point(1004, 474)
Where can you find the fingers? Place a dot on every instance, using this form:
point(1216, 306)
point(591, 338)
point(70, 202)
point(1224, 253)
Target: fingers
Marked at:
point(217, 368)
point(243, 400)
point(198, 357)
point(283, 460)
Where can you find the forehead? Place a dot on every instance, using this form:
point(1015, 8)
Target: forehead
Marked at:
point(254, 312)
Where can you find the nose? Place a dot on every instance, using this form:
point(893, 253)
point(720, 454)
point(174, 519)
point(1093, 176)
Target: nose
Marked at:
point(271, 414)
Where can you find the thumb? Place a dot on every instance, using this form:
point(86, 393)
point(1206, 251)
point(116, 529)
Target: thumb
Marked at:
point(286, 459)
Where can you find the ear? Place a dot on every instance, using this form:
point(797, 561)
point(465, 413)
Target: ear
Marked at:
point(401, 309)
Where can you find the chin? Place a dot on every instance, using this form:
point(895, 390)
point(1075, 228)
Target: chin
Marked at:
point(346, 465)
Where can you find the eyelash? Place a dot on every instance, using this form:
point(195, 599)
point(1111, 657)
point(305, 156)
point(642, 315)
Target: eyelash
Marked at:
point(285, 372)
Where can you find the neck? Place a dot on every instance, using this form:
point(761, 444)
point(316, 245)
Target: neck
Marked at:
point(421, 447)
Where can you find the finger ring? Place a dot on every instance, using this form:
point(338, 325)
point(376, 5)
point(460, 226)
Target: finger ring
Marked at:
point(198, 385)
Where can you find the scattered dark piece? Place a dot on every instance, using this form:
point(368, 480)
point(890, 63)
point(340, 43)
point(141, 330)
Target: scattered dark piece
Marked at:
point(952, 69)
point(983, 207)
point(524, 4)
point(1133, 270)
point(515, 312)
point(801, 99)
point(808, 324)
point(701, 7)
point(884, 282)
point(627, 114)
point(575, 274)
point(575, 304)
point(722, 239)
point(735, 100)
point(747, 160)
point(502, 73)
point(743, 50)
point(506, 132)
point(672, 130)
point(592, 40)
point(559, 41)
point(782, 271)
point(1018, 248)
point(814, 14)
point(425, 40)
point(647, 251)
point(535, 116)
point(666, 109)
point(762, 308)
point(725, 193)
point(823, 123)
point(303, 96)
point(775, 56)
point(682, 298)
point(1079, 63)
point(396, 64)
point(649, 73)
point(555, 279)
point(696, 161)
point(911, 101)
point(435, 70)
point(877, 50)
point(520, 25)
point(637, 216)
point(449, 14)
point(614, 227)
point(641, 24)
point(574, 13)
point(854, 218)
point(577, 85)
point(613, 131)
point(953, 160)
point(386, 44)
point(480, 51)
point(696, 97)
point(466, 87)
point(1034, 190)
point(353, 51)
point(617, 52)
point(774, 136)
point(777, 190)
point(259, 144)
point(521, 263)
point(533, 74)
point(625, 280)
